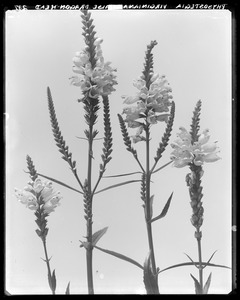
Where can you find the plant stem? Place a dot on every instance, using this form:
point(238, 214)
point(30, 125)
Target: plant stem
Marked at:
point(89, 221)
point(148, 204)
point(200, 261)
point(47, 262)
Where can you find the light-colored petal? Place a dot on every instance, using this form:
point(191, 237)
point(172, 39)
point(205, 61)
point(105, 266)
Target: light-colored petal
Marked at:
point(98, 41)
point(137, 138)
point(211, 157)
point(139, 83)
point(209, 147)
point(162, 118)
point(180, 163)
point(204, 137)
point(78, 70)
point(129, 99)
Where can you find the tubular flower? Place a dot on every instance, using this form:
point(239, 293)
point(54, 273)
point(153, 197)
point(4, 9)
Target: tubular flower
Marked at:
point(151, 103)
point(185, 152)
point(38, 194)
point(94, 81)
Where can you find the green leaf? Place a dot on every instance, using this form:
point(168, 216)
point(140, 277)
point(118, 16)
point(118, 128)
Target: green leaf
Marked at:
point(52, 281)
point(120, 175)
point(150, 281)
point(120, 256)
point(162, 167)
point(68, 289)
point(97, 235)
point(116, 185)
point(210, 258)
point(164, 211)
point(198, 288)
point(193, 264)
point(59, 182)
point(207, 284)
point(189, 257)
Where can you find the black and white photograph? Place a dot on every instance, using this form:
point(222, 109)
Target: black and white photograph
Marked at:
point(118, 151)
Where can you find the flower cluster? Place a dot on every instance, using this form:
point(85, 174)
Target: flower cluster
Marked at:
point(93, 81)
point(185, 152)
point(39, 193)
point(151, 103)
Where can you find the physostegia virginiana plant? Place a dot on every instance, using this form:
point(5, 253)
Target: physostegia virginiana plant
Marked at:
point(40, 197)
point(151, 106)
point(192, 150)
point(95, 78)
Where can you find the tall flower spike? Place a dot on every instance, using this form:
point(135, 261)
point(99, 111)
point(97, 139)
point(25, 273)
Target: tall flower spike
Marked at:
point(152, 99)
point(94, 76)
point(40, 197)
point(60, 142)
point(192, 147)
point(167, 134)
point(185, 152)
point(107, 149)
point(126, 137)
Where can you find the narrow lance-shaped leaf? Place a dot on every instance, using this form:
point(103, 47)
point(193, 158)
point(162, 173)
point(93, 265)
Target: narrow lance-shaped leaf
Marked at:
point(67, 292)
point(116, 185)
point(193, 264)
point(52, 281)
point(120, 175)
point(60, 182)
point(97, 235)
point(164, 211)
point(211, 257)
point(207, 284)
point(198, 288)
point(189, 257)
point(120, 256)
point(160, 168)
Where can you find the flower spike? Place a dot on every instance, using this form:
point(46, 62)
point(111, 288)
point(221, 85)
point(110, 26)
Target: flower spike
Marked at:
point(60, 142)
point(152, 99)
point(94, 76)
point(167, 134)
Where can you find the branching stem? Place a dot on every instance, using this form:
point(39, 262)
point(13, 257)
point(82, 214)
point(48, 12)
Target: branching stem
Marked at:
point(148, 204)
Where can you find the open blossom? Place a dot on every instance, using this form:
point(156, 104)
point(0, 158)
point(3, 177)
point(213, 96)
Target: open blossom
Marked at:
point(39, 194)
point(98, 80)
point(185, 152)
point(150, 103)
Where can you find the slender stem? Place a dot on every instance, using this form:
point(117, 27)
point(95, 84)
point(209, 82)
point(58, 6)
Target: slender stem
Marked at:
point(47, 262)
point(200, 261)
point(148, 204)
point(89, 221)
